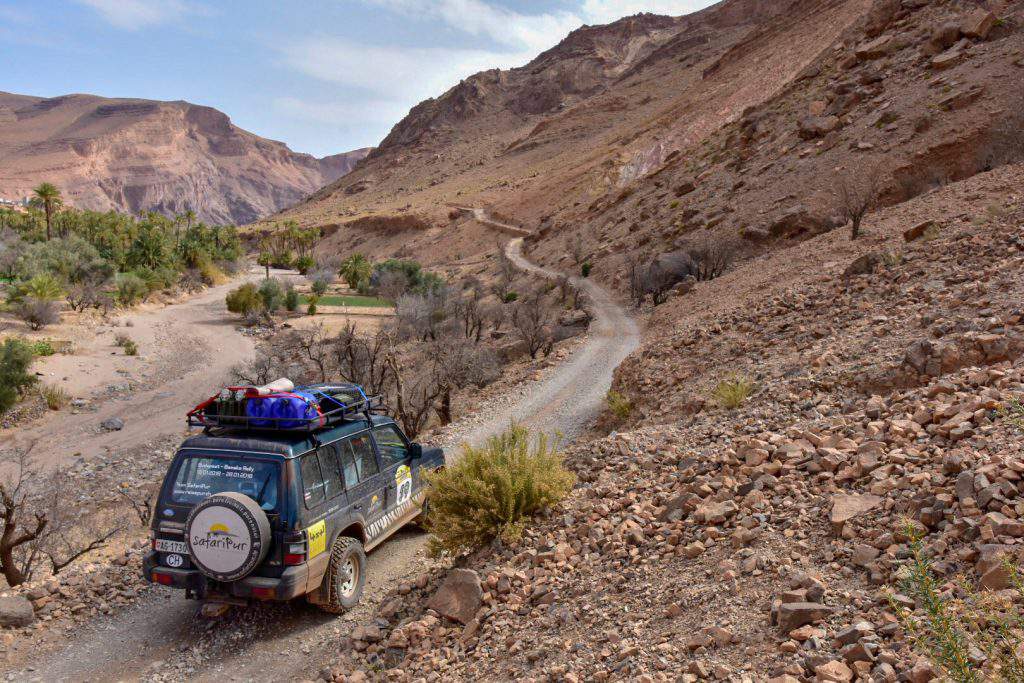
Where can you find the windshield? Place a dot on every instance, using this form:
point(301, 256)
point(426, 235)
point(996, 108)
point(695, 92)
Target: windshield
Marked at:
point(200, 476)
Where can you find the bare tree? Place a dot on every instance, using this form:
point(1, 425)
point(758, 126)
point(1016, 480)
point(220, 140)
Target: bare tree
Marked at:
point(316, 346)
point(710, 258)
point(421, 316)
point(457, 366)
point(23, 521)
point(38, 518)
point(534, 322)
point(392, 284)
point(506, 276)
point(257, 372)
point(471, 314)
point(857, 198)
point(415, 393)
point(141, 502)
point(364, 359)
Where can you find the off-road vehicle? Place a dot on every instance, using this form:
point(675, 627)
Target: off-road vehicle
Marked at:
point(271, 508)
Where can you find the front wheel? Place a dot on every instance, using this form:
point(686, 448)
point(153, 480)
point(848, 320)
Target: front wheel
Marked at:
point(346, 575)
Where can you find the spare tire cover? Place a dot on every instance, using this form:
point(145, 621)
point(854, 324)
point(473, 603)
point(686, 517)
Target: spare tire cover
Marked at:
point(228, 535)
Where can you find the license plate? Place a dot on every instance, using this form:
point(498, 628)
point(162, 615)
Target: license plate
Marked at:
point(165, 546)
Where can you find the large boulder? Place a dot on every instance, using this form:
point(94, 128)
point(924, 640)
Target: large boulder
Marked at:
point(846, 506)
point(978, 24)
point(793, 615)
point(811, 127)
point(16, 611)
point(875, 49)
point(459, 597)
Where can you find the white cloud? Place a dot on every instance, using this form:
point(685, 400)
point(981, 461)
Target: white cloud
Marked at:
point(355, 112)
point(606, 11)
point(407, 74)
point(136, 14)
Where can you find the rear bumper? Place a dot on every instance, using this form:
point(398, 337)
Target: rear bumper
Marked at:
point(291, 583)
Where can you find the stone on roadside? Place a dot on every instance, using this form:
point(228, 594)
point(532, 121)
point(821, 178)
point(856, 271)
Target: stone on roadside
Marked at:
point(459, 597)
point(16, 611)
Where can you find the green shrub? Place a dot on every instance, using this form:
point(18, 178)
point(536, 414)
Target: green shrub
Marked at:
point(15, 360)
point(244, 299)
point(951, 626)
point(620, 406)
point(510, 297)
point(42, 287)
point(291, 299)
point(585, 269)
point(42, 348)
point(319, 286)
point(491, 492)
point(130, 348)
point(55, 396)
point(272, 294)
point(313, 301)
point(131, 289)
point(304, 263)
point(732, 392)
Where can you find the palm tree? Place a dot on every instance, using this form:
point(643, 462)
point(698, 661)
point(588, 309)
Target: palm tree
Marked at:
point(356, 271)
point(49, 197)
point(190, 216)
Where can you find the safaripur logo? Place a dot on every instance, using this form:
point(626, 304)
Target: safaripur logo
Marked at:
point(219, 537)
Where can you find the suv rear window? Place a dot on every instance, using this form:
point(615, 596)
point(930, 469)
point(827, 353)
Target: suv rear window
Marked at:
point(200, 476)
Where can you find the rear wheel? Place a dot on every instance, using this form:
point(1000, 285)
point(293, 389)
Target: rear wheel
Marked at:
point(346, 575)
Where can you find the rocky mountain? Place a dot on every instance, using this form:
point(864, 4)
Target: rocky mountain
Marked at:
point(140, 155)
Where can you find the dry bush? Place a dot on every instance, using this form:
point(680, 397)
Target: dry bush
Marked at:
point(491, 492)
point(37, 313)
point(857, 198)
point(56, 397)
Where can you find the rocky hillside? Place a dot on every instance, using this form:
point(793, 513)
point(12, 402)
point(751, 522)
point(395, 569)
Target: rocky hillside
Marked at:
point(769, 541)
point(141, 155)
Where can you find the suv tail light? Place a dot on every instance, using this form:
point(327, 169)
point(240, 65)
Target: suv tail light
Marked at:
point(295, 549)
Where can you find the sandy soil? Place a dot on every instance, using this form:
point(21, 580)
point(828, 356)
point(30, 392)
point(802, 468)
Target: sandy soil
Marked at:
point(166, 639)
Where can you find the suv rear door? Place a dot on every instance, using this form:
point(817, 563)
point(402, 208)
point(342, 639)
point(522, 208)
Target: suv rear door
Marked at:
point(396, 464)
point(361, 473)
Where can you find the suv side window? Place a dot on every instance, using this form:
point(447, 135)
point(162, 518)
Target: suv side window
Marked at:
point(331, 471)
point(391, 445)
point(312, 482)
point(366, 461)
point(348, 464)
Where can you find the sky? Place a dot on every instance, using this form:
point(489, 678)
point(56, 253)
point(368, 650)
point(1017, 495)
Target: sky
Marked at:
point(324, 76)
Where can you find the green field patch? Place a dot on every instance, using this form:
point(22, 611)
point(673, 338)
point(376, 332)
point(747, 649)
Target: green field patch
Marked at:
point(356, 300)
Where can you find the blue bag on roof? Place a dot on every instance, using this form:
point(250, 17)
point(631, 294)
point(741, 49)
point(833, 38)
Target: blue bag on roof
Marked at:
point(283, 411)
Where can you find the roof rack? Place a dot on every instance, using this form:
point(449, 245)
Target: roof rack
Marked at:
point(206, 417)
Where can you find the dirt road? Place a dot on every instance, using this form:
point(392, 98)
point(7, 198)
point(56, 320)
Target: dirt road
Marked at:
point(159, 637)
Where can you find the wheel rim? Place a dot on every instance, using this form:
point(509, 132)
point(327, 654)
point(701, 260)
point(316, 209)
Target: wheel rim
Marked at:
point(348, 578)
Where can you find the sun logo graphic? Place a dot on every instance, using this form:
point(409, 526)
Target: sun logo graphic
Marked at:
point(219, 530)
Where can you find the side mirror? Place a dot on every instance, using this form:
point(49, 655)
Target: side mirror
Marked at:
point(415, 450)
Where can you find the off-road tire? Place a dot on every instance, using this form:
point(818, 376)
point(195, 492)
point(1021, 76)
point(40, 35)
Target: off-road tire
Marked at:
point(338, 600)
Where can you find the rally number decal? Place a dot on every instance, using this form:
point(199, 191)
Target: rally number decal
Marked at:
point(403, 481)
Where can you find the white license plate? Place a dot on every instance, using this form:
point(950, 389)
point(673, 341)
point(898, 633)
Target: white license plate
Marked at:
point(165, 546)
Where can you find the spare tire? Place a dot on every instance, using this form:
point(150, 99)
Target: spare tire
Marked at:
point(228, 535)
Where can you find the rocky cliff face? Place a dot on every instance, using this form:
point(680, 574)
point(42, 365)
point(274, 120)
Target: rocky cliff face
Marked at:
point(141, 155)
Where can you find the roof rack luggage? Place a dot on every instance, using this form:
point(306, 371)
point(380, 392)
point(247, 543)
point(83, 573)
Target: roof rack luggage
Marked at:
point(282, 407)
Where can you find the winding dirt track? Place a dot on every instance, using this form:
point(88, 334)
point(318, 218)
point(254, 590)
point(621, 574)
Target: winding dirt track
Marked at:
point(159, 637)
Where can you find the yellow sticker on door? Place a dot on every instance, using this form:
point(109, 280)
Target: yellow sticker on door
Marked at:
point(317, 536)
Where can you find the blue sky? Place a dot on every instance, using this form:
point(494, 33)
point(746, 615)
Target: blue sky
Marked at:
point(324, 76)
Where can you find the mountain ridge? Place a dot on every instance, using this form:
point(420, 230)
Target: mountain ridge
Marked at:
point(136, 155)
